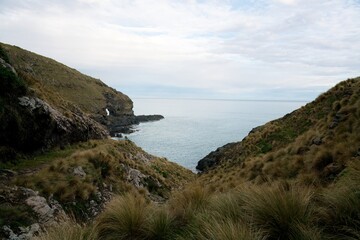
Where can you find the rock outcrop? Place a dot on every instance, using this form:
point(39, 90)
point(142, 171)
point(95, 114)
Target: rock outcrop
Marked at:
point(212, 159)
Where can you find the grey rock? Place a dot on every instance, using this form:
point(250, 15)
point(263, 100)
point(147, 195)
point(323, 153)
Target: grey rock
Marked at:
point(29, 192)
point(317, 141)
point(42, 209)
point(135, 177)
point(79, 171)
point(59, 129)
point(26, 233)
point(8, 66)
point(212, 158)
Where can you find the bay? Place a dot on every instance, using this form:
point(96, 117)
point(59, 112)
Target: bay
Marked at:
point(193, 128)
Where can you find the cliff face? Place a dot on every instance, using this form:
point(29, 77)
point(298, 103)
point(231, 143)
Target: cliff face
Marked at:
point(28, 123)
point(65, 88)
point(314, 143)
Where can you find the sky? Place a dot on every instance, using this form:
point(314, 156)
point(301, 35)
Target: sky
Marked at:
point(216, 49)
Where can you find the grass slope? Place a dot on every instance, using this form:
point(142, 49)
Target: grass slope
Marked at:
point(249, 212)
point(60, 85)
point(109, 166)
point(311, 145)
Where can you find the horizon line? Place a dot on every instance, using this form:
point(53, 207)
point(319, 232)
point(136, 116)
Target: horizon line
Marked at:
point(222, 99)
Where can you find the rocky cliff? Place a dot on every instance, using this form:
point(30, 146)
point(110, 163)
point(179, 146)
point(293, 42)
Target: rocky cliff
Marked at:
point(28, 123)
point(71, 92)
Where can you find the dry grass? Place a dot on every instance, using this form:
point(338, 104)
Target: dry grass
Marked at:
point(68, 231)
point(124, 218)
point(106, 164)
point(311, 145)
point(271, 211)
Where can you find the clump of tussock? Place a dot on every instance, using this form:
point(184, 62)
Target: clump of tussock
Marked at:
point(124, 218)
point(278, 211)
point(339, 206)
point(67, 231)
point(215, 229)
point(161, 225)
point(185, 204)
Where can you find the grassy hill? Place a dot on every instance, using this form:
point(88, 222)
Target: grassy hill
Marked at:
point(60, 85)
point(294, 178)
point(311, 145)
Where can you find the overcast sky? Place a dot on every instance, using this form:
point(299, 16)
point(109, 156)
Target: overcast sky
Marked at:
point(245, 49)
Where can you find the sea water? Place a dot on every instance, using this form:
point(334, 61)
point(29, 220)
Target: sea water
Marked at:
point(193, 128)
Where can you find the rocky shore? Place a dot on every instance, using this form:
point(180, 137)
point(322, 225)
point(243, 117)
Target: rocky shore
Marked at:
point(124, 125)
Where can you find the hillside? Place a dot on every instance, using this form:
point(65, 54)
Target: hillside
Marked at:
point(61, 177)
point(311, 145)
point(294, 178)
point(59, 85)
point(56, 159)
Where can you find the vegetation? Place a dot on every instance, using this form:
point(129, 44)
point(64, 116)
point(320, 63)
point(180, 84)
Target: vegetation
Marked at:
point(311, 145)
point(297, 177)
point(62, 87)
point(106, 164)
point(274, 211)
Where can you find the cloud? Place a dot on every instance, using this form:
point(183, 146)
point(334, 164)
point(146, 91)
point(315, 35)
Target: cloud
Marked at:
point(225, 48)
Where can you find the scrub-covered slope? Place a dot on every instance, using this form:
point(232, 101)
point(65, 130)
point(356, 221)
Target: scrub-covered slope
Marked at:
point(312, 144)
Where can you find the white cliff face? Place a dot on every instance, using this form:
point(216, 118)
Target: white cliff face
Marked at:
point(107, 112)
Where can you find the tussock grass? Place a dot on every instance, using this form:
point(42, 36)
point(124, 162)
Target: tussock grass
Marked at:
point(184, 205)
point(124, 218)
point(215, 229)
point(311, 145)
point(339, 207)
point(67, 231)
point(106, 164)
point(278, 211)
point(161, 224)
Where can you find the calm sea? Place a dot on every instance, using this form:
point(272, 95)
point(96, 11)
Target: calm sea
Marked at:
point(193, 128)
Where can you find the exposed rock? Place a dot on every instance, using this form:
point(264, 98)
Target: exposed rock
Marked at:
point(8, 66)
point(135, 177)
point(148, 118)
point(212, 158)
point(79, 171)
point(143, 157)
point(124, 124)
point(42, 209)
point(317, 141)
point(25, 233)
point(59, 129)
point(43, 212)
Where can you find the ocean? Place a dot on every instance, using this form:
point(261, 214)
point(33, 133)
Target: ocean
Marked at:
point(193, 128)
